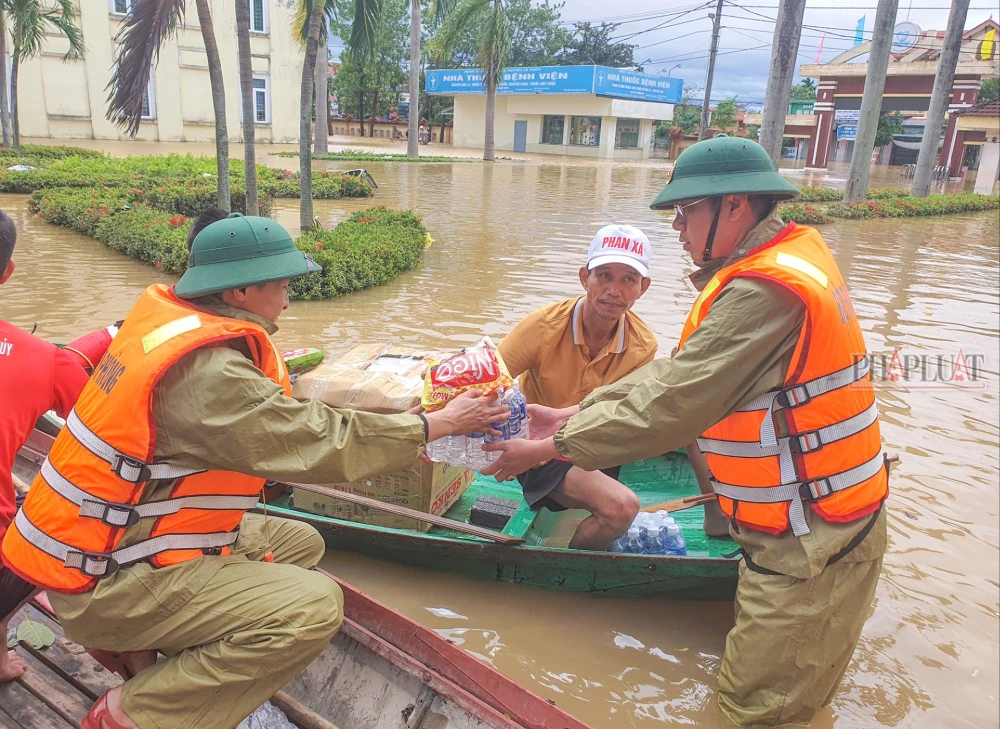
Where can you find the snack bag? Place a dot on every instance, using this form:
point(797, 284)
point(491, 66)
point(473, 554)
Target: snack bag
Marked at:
point(478, 367)
point(302, 360)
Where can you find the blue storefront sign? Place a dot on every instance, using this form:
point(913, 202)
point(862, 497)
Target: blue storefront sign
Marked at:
point(847, 131)
point(599, 80)
point(620, 84)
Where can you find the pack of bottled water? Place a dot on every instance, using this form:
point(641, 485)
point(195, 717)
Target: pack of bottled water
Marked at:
point(657, 533)
point(467, 450)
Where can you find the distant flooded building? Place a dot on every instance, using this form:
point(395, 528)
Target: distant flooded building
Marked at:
point(590, 111)
point(68, 99)
point(913, 65)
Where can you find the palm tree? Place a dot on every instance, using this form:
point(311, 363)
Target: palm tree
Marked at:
point(493, 47)
point(367, 16)
point(147, 25)
point(8, 133)
point(30, 23)
point(300, 25)
point(439, 9)
point(246, 96)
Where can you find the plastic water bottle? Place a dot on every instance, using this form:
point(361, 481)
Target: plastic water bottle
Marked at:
point(436, 450)
point(475, 458)
point(632, 545)
point(673, 540)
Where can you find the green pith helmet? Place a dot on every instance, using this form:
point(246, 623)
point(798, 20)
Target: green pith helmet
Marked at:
point(723, 166)
point(241, 251)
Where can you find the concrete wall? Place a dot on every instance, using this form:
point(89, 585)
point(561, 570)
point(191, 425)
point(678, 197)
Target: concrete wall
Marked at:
point(67, 99)
point(470, 118)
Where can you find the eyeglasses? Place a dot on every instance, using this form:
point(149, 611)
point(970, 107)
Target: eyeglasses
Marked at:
point(681, 209)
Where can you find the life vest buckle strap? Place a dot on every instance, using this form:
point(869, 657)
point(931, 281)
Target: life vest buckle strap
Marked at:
point(92, 564)
point(112, 514)
point(130, 469)
point(806, 442)
point(794, 397)
point(816, 490)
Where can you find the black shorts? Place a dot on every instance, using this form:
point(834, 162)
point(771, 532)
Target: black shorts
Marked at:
point(13, 592)
point(539, 482)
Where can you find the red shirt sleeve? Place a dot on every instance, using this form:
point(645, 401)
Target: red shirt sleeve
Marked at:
point(68, 379)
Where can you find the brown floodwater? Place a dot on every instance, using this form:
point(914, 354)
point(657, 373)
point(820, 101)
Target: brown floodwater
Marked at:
point(511, 236)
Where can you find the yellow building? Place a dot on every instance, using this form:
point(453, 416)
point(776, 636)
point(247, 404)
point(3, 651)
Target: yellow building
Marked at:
point(67, 99)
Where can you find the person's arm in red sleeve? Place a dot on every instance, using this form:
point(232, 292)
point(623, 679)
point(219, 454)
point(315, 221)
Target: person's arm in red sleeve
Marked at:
point(88, 349)
point(68, 379)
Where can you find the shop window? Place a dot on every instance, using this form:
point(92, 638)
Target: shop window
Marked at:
point(258, 15)
point(553, 129)
point(585, 131)
point(627, 134)
point(149, 101)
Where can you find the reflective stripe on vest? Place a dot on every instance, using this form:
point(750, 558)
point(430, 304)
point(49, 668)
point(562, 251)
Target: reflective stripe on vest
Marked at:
point(125, 515)
point(103, 564)
point(89, 489)
point(815, 439)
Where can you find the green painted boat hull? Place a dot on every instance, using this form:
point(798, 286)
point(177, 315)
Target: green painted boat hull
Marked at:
point(543, 561)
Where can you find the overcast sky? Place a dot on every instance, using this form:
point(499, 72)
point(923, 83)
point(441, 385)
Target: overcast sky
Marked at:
point(742, 65)
point(674, 36)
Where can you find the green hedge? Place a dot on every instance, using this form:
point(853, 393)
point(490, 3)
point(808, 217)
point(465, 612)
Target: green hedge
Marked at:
point(826, 194)
point(43, 151)
point(368, 249)
point(176, 172)
point(899, 207)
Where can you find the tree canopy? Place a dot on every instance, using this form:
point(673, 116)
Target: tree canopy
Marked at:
point(593, 44)
point(804, 90)
point(889, 124)
point(990, 88)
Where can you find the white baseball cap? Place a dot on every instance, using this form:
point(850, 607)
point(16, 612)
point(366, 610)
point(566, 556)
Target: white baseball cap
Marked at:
point(620, 244)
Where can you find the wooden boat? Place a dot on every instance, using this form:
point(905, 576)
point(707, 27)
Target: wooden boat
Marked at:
point(381, 671)
point(706, 573)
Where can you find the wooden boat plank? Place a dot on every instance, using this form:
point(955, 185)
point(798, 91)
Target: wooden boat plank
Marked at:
point(454, 664)
point(50, 689)
point(27, 711)
point(68, 660)
point(7, 721)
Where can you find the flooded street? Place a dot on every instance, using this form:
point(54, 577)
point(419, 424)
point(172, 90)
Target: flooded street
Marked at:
point(510, 237)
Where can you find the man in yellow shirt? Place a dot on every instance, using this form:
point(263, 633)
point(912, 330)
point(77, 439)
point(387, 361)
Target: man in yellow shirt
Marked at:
point(567, 349)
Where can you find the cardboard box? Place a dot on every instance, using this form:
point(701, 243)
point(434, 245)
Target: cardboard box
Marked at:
point(376, 378)
point(428, 487)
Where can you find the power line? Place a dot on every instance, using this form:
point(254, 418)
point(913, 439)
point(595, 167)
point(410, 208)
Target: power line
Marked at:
point(676, 37)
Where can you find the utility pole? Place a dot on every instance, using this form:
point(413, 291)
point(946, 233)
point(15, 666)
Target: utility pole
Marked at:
point(940, 96)
point(871, 102)
point(784, 52)
point(716, 20)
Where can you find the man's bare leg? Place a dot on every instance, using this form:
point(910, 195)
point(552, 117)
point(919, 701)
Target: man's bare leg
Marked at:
point(12, 666)
point(716, 522)
point(612, 507)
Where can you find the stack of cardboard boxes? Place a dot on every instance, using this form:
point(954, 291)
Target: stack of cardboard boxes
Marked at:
point(381, 378)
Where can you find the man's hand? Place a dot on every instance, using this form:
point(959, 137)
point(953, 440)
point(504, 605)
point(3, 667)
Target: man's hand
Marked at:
point(470, 412)
point(517, 456)
point(544, 422)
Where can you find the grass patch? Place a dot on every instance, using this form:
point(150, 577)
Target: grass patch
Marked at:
point(902, 205)
point(350, 155)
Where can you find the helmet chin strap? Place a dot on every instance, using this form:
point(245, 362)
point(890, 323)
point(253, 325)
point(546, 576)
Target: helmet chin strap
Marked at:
point(706, 256)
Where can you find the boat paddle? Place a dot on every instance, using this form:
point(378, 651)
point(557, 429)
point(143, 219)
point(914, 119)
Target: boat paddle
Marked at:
point(441, 521)
point(679, 504)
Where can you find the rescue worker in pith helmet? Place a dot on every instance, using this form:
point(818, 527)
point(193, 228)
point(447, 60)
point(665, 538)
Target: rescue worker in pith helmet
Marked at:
point(137, 523)
point(772, 379)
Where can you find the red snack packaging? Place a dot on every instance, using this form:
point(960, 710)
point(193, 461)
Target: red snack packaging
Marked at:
point(478, 367)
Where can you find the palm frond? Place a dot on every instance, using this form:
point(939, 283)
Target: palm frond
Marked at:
point(300, 20)
point(147, 25)
point(494, 43)
point(28, 30)
point(73, 34)
point(364, 30)
point(466, 15)
point(441, 9)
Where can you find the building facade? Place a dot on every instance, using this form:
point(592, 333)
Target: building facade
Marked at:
point(588, 111)
point(68, 99)
point(908, 86)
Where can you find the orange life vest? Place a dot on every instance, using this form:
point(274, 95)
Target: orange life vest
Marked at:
point(87, 493)
point(816, 440)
